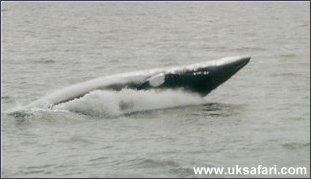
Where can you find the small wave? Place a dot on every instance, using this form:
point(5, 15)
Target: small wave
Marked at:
point(289, 55)
point(252, 49)
point(303, 25)
point(182, 172)
point(98, 158)
point(286, 74)
point(43, 60)
point(150, 163)
point(114, 103)
point(295, 145)
point(20, 112)
point(77, 139)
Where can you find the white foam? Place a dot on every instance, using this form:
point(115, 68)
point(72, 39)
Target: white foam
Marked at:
point(112, 103)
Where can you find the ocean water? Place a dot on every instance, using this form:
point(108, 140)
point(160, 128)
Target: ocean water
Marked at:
point(261, 116)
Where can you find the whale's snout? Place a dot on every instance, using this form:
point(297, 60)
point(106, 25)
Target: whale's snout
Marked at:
point(240, 63)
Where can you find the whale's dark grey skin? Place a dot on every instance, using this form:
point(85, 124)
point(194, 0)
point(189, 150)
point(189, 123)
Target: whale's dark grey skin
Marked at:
point(199, 78)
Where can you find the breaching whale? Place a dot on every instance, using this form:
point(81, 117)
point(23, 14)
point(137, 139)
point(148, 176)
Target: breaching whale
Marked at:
point(199, 78)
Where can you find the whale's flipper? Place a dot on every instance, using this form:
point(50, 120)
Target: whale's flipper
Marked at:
point(156, 80)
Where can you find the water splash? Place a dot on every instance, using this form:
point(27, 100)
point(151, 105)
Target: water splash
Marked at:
point(113, 103)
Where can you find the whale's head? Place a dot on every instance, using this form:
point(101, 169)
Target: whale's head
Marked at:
point(201, 78)
point(224, 69)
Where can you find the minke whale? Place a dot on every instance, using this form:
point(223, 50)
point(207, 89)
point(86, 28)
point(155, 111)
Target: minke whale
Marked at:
point(199, 78)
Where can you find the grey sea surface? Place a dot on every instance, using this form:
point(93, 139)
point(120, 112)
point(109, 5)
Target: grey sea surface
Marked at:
point(261, 116)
